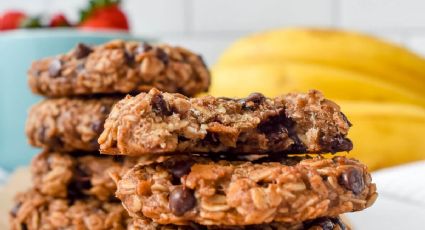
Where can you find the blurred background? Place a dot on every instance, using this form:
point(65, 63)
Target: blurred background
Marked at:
point(379, 81)
point(210, 26)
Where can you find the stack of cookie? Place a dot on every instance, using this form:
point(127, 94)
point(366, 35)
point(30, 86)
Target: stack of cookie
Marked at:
point(72, 187)
point(176, 162)
point(223, 163)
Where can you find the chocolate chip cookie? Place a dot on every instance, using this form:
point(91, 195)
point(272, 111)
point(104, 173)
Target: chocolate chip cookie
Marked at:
point(325, 223)
point(185, 189)
point(68, 124)
point(119, 67)
point(79, 175)
point(33, 211)
point(157, 122)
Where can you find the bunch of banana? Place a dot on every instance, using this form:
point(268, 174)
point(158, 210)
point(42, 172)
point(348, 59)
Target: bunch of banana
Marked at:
point(380, 86)
point(385, 134)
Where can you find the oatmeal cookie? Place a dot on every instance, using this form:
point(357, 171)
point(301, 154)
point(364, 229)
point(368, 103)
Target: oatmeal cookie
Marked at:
point(324, 223)
point(157, 122)
point(186, 189)
point(77, 176)
point(68, 124)
point(119, 67)
point(33, 211)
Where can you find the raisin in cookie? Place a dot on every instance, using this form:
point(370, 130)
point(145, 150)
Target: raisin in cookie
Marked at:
point(186, 189)
point(119, 67)
point(157, 122)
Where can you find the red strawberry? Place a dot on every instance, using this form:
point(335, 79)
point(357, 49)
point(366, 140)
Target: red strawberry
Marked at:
point(104, 14)
point(11, 20)
point(59, 20)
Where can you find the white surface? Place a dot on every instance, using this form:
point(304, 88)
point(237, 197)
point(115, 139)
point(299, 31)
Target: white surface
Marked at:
point(401, 200)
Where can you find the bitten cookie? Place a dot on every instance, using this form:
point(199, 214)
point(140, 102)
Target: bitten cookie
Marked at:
point(77, 176)
point(187, 189)
point(68, 124)
point(119, 67)
point(157, 122)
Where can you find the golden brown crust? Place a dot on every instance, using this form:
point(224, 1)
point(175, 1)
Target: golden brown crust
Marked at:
point(119, 67)
point(157, 122)
point(195, 189)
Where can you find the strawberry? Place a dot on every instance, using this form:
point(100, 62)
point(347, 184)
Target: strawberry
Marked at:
point(59, 20)
point(104, 14)
point(11, 20)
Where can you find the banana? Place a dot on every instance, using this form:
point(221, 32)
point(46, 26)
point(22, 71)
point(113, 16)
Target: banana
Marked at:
point(346, 50)
point(335, 83)
point(385, 135)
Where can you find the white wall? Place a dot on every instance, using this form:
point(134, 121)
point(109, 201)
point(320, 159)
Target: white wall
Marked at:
point(209, 26)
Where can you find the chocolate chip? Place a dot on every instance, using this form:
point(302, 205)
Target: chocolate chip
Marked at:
point(277, 129)
point(97, 126)
point(352, 179)
point(55, 142)
point(118, 159)
point(160, 106)
point(129, 59)
point(82, 51)
point(15, 209)
point(162, 55)
point(346, 119)
point(55, 68)
point(82, 178)
point(179, 167)
point(181, 200)
point(80, 183)
point(324, 223)
point(338, 144)
point(211, 139)
point(24, 226)
point(339, 222)
point(252, 101)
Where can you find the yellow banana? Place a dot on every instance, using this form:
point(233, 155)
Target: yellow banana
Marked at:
point(386, 134)
point(335, 83)
point(345, 50)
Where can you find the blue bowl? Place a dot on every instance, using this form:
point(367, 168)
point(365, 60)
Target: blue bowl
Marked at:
point(17, 50)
